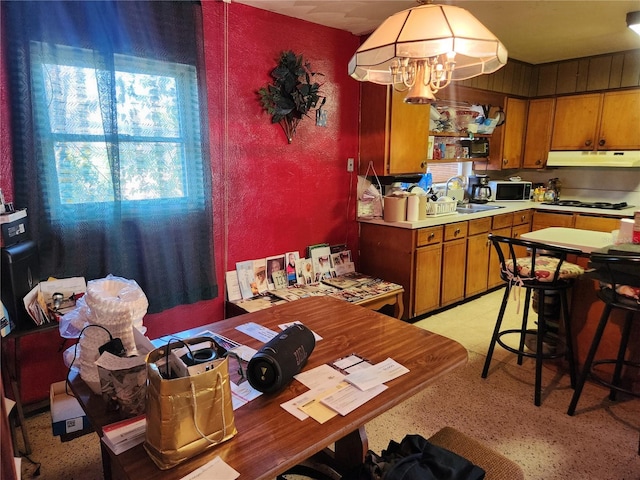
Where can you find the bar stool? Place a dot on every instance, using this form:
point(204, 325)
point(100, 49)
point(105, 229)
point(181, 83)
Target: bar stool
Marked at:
point(619, 277)
point(545, 271)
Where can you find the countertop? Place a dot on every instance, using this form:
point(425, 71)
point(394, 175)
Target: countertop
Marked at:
point(584, 240)
point(509, 207)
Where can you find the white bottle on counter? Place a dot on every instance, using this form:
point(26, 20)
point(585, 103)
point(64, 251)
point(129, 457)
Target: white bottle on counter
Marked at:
point(413, 208)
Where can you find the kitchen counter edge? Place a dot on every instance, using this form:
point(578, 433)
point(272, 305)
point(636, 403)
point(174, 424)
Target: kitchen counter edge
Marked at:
point(509, 207)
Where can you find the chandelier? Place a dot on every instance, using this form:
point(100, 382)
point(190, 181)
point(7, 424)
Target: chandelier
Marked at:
point(423, 49)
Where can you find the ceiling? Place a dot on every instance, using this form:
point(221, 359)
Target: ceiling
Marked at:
point(533, 31)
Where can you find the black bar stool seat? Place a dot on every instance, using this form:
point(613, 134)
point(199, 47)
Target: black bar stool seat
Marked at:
point(546, 271)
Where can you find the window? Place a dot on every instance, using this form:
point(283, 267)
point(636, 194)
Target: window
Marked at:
point(156, 129)
point(111, 142)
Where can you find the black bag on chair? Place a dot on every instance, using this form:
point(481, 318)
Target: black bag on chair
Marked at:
point(415, 458)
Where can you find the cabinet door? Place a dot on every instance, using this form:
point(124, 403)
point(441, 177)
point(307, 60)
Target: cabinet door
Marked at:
point(493, 276)
point(454, 255)
point(375, 103)
point(522, 217)
point(575, 122)
point(599, 224)
point(620, 121)
point(538, 137)
point(477, 264)
point(428, 274)
point(409, 136)
point(513, 142)
point(516, 231)
point(545, 219)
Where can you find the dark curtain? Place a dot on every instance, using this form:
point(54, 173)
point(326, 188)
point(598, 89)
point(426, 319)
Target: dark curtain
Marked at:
point(163, 242)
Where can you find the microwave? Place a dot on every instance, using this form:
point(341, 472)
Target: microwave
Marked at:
point(477, 147)
point(506, 191)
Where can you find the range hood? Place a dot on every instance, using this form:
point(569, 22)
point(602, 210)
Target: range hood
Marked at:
point(626, 158)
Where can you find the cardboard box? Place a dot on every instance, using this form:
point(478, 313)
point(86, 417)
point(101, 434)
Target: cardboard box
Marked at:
point(67, 415)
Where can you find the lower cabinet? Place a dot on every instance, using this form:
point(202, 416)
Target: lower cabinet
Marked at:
point(477, 256)
point(546, 219)
point(494, 278)
point(580, 221)
point(454, 256)
point(411, 258)
point(599, 224)
point(426, 295)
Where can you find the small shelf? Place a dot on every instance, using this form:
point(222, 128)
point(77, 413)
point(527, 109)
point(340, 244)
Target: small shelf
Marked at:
point(459, 135)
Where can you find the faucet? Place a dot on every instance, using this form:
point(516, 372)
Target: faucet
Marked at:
point(461, 181)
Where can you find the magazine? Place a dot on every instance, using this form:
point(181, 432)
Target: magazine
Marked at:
point(340, 282)
point(304, 271)
point(321, 258)
point(291, 258)
point(260, 272)
point(246, 279)
point(274, 264)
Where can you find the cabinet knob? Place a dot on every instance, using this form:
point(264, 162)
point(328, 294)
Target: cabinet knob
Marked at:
point(431, 236)
point(516, 235)
point(538, 162)
point(423, 165)
point(522, 218)
point(457, 232)
point(505, 161)
point(602, 142)
point(587, 143)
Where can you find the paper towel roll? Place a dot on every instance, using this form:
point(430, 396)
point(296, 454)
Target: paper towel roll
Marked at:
point(625, 235)
point(395, 209)
point(413, 208)
point(422, 209)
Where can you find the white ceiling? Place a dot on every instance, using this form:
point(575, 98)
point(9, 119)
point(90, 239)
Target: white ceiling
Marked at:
point(533, 31)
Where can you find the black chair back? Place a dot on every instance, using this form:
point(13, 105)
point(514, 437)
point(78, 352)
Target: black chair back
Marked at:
point(618, 274)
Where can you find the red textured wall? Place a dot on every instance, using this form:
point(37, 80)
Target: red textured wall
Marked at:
point(269, 196)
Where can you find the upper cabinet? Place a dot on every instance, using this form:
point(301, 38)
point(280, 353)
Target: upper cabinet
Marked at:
point(507, 142)
point(538, 136)
point(598, 121)
point(393, 134)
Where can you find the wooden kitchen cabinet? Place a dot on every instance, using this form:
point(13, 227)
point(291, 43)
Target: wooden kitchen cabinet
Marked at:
point(411, 258)
point(477, 256)
point(393, 134)
point(426, 295)
point(620, 121)
point(454, 257)
point(597, 121)
point(493, 276)
point(538, 134)
point(506, 150)
point(551, 219)
point(597, 223)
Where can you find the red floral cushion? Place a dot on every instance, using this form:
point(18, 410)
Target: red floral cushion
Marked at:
point(545, 269)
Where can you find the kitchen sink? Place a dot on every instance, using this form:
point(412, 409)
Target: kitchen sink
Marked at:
point(476, 207)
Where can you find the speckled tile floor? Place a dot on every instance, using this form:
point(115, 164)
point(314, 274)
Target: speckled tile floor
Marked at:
point(600, 442)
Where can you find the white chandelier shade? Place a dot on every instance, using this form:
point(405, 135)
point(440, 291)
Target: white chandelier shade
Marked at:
point(428, 32)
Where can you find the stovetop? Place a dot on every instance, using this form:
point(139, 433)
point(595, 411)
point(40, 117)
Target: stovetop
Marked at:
point(578, 203)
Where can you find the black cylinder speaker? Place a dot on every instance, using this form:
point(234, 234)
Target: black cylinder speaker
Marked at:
point(280, 359)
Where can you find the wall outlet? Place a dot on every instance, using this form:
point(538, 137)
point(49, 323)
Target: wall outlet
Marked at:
point(350, 164)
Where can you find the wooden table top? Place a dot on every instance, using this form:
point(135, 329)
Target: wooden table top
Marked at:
point(270, 440)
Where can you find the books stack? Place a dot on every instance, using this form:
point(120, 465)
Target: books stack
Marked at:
point(126, 434)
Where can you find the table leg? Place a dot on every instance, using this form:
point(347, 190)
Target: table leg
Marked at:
point(352, 448)
point(399, 306)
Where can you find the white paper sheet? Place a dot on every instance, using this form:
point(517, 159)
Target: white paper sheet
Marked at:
point(377, 374)
point(257, 331)
point(216, 468)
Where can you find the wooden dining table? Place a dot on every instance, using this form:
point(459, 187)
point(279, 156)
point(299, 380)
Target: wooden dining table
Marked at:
point(270, 440)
